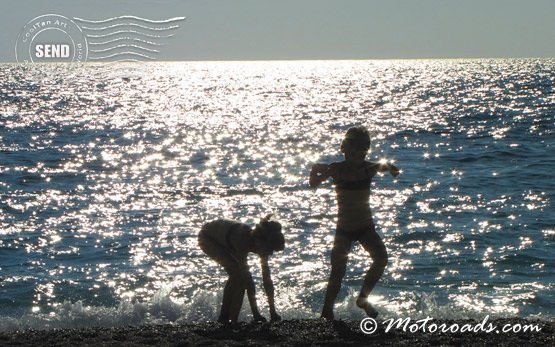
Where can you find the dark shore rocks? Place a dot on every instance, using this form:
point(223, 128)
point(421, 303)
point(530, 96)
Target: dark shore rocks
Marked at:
point(294, 333)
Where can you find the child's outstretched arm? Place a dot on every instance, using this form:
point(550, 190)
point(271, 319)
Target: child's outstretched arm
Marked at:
point(382, 167)
point(393, 170)
point(318, 174)
point(269, 287)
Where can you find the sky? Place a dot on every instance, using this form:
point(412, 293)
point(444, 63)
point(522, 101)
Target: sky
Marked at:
point(319, 29)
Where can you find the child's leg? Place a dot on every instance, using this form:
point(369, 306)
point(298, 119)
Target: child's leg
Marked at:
point(237, 295)
point(218, 253)
point(226, 302)
point(374, 245)
point(339, 256)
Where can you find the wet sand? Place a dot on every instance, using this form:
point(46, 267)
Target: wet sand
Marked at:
point(285, 333)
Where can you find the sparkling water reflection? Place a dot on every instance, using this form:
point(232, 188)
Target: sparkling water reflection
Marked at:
point(106, 181)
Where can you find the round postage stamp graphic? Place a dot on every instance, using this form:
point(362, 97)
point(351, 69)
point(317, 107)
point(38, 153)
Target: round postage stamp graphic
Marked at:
point(51, 38)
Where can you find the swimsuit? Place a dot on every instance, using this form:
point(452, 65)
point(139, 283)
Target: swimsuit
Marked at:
point(354, 185)
point(351, 207)
point(360, 184)
point(355, 235)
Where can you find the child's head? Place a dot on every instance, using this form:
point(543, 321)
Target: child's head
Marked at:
point(268, 236)
point(357, 140)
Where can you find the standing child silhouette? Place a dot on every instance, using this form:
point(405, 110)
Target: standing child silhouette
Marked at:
point(352, 178)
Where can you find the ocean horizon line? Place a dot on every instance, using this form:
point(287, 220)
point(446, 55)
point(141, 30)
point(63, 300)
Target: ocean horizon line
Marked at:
point(301, 60)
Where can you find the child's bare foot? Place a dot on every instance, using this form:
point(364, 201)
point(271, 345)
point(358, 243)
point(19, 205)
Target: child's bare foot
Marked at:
point(367, 307)
point(327, 315)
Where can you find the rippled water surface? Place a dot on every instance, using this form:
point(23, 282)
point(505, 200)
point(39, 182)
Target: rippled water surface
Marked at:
point(105, 182)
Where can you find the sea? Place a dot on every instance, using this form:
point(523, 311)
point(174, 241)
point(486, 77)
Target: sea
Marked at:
point(108, 172)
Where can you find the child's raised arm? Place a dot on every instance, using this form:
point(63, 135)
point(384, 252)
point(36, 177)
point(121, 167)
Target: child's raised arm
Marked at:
point(393, 170)
point(318, 174)
point(382, 167)
point(269, 288)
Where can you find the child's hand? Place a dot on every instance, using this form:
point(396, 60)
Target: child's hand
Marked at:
point(319, 169)
point(394, 170)
point(318, 174)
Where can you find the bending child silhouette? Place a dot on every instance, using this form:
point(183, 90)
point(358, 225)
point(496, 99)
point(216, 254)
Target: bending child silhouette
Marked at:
point(228, 243)
point(352, 178)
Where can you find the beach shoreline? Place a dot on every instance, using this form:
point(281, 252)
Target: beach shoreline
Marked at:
point(288, 333)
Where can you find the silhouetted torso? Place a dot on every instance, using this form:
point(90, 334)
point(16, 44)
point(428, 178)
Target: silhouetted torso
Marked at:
point(352, 188)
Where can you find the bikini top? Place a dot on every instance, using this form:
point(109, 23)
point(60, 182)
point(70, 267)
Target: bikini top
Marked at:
point(356, 184)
